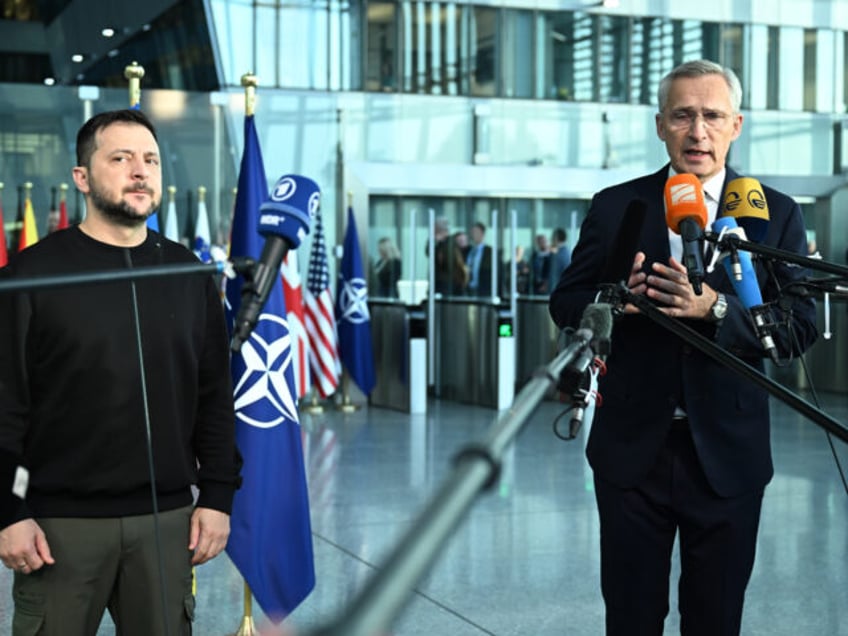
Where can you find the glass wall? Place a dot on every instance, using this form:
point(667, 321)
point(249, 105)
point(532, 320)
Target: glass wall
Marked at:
point(450, 48)
point(512, 227)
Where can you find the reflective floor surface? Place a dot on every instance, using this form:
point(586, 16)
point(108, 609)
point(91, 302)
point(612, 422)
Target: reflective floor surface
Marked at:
point(524, 562)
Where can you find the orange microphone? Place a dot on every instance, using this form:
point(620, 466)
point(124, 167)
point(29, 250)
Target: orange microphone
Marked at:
point(686, 215)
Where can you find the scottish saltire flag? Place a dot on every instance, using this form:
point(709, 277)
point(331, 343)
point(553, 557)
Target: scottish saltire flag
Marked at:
point(29, 231)
point(352, 316)
point(320, 320)
point(172, 231)
point(271, 536)
point(202, 235)
point(297, 328)
point(153, 221)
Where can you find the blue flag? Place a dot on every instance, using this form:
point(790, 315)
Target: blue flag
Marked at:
point(271, 536)
point(352, 317)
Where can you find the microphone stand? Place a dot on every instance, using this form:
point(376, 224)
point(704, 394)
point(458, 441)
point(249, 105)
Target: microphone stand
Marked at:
point(32, 283)
point(476, 469)
point(692, 337)
point(733, 242)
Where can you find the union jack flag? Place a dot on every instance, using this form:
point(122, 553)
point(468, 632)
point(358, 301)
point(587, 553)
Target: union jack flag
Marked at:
point(293, 293)
point(320, 317)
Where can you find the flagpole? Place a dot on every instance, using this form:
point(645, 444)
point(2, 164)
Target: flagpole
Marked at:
point(134, 72)
point(313, 408)
point(346, 406)
point(248, 628)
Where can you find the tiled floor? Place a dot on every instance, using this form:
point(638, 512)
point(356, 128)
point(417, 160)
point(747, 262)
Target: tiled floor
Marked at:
point(525, 560)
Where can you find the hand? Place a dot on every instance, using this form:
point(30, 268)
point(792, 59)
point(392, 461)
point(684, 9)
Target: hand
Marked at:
point(669, 286)
point(209, 532)
point(24, 548)
point(636, 281)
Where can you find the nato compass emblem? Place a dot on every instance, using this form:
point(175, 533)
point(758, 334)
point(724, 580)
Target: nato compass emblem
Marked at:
point(263, 395)
point(354, 301)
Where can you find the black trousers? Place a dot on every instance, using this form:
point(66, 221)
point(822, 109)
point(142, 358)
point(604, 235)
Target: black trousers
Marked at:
point(717, 545)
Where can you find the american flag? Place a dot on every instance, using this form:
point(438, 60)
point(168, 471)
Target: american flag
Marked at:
point(293, 293)
point(320, 318)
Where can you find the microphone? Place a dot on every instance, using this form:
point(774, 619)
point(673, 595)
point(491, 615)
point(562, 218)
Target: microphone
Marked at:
point(686, 215)
point(744, 201)
point(578, 378)
point(284, 220)
point(746, 285)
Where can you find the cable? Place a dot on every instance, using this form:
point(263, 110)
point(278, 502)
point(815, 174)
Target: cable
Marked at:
point(796, 346)
point(816, 401)
point(154, 499)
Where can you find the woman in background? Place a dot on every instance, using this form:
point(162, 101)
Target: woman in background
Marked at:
point(387, 269)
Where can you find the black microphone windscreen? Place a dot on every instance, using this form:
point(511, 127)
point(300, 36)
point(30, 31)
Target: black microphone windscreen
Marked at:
point(597, 317)
point(626, 243)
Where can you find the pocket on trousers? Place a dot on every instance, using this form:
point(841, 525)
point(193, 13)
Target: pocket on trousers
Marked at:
point(188, 607)
point(29, 613)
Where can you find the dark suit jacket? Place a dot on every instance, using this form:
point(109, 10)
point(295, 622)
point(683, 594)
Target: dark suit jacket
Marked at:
point(484, 280)
point(651, 371)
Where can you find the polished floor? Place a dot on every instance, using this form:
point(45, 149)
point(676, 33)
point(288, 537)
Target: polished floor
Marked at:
point(524, 562)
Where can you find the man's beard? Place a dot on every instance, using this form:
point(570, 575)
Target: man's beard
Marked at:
point(120, 211)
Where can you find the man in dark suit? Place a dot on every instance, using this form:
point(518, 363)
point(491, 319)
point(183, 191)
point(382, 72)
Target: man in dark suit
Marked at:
point(681, 444)
point(479, 261)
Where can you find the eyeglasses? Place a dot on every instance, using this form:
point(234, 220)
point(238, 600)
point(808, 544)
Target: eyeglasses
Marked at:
point(683, 119)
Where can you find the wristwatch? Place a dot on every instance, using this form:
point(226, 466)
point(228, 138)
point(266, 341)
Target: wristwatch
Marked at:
point(719, 309)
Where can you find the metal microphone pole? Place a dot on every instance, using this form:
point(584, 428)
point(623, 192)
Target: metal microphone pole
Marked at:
point(32, 283)
point(476, 469)
point(692, 337)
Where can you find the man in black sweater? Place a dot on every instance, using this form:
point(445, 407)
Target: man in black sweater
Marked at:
point(105, 389)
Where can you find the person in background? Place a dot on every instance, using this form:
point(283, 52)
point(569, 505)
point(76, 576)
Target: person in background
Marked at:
point(680, 447)
point(387, 270)
point(461, 239)
point(522, 273)
point(479, 262)
point(80, 399)
point(560, 256)
point(451, 271)
point(540, 265)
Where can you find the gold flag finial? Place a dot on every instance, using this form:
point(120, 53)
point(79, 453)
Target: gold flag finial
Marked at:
point(250, 82)
point(349, 199)
point(201, 193)
point(172, 191)
point(63, 191)
point(134, 72)
point(28, 189)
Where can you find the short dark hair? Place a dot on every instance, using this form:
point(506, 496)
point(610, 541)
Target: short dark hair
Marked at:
point(560, 235)
point(86, 137)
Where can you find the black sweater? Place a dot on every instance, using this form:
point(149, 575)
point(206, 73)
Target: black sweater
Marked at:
point(72, 400)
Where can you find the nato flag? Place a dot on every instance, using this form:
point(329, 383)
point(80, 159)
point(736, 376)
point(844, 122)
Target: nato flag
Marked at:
point(352, 316)
point(271, 537)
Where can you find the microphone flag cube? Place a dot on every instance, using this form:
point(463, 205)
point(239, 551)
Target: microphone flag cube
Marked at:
point(290, 208)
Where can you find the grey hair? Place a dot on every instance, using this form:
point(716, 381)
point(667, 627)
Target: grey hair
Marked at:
point(699, 68)
point(389, 246)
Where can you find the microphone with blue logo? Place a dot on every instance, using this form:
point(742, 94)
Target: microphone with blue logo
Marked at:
point(284, 219)
point(741, 272)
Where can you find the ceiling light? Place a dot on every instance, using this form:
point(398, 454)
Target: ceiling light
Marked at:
point(107, 32)
point(49, 81)
point(77, 57)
